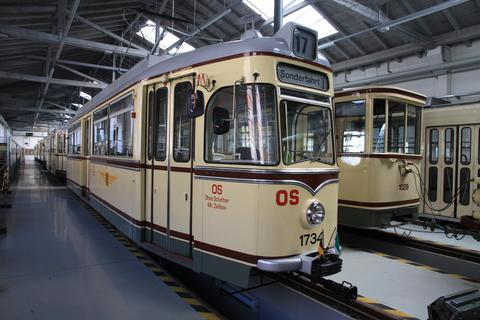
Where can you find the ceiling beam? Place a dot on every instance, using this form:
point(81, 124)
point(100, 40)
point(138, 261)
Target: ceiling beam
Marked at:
point(33, 109)
point(63, 33)
point(409, 10)
point(38, 36)
point(205, 25)
point(80, 64)
point(43, 79)
point(105, 31)
point(379, 18)
point(86, 76)
point(451, 19)
point(25, 8)
point(461, 35)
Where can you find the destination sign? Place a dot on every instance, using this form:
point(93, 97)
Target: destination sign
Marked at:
point(303, 77)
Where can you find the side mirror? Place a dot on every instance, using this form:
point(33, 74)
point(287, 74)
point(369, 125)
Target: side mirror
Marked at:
point(221, 122)
point(195, 104)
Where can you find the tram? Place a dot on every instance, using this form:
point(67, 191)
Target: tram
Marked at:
point(452, 161)
point(221, 159)
point(378, 135)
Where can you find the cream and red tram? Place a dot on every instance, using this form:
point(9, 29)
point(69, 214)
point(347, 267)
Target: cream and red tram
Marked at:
point(378, 133)
point(221, 159)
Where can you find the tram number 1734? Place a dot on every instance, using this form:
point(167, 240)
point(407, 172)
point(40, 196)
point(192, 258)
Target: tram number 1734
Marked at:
point(311, 238)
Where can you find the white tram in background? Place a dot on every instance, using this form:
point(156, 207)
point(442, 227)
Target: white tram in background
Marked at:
point(221, 159)
point(452, 160)
point(378, 133)
point(51, 152)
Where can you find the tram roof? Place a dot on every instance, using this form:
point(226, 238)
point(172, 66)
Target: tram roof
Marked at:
point(380, 89)
point(156, 65)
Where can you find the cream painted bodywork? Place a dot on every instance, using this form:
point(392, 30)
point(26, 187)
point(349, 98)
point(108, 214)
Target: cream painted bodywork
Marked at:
point(252, 223)
point(455, 117)
point(365, 178)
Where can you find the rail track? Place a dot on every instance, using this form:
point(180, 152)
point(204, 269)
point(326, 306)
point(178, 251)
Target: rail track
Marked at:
point(451, 259)
point(360, 308)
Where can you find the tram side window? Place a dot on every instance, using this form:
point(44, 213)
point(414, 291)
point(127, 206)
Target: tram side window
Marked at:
point(121, 127)
point(396, 126)
point(378, 134)
point(449, 136)
point(433, 147)
point(100, 125)
point(250, 136)
point(60, 141)
point(74, 139)
point(412, 143)
point(151, 99)
point(182, 123)
point(161, 123)
point(350, 124)
point(466, 145)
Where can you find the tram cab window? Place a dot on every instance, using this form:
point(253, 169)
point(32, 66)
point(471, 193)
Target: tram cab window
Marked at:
point(403, 139)
point(466, 146)
point(121, 127)
point(378, 134)
point(60, 143)
point(412, 143)
point(306, 132)
point(182, 124)
point(396, 126)
point(250, 133)
point(433, 147)
point(449, 147)
point(74, 139)
point(100, 125)
point(350, 124)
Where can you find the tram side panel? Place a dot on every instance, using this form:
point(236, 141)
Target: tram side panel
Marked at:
point(452, 146)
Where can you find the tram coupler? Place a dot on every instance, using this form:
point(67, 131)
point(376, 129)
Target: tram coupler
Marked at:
point(323, 266)
point(345, 290)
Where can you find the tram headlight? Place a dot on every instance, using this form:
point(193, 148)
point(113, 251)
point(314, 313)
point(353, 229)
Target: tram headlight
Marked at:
point(315, 213)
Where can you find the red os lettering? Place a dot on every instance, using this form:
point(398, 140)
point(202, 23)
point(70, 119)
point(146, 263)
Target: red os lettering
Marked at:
point(217, 188)
point(283, 197)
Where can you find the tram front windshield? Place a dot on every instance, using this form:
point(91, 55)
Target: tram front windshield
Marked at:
point(244, 129)
point(306, 133)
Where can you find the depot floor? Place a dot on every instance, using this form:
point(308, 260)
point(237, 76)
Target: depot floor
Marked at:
point(58, 262)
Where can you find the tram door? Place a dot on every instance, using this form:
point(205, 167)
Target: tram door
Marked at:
point(452, 160)
point(156, 169)
point(181, 169)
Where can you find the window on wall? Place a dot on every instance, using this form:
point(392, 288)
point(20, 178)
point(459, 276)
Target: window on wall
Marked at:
point(74, 139)
point(113, 129)
point(251, 135)
point(182, 123)
point(120, 127)
point(378, 134)
point(350, 124)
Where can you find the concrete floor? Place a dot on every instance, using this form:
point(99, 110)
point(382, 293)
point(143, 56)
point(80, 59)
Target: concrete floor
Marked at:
point(398, 285)
point(411, 230)
point(58, 262)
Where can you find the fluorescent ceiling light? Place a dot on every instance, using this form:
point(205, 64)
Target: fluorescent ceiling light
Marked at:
point(77, 105)
point(308, 16)
point(148, 31)
point(85, 95)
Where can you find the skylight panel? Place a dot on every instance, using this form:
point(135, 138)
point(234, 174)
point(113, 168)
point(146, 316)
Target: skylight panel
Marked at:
point(308, 16)
point(311, 18)
point(85, 95)
point(265, 7)
point(148, 31)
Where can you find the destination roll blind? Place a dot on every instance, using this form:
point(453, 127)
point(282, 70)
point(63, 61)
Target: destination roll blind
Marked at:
point(302, 77)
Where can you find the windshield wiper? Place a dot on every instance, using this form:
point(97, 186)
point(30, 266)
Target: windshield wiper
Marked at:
point(316, 154)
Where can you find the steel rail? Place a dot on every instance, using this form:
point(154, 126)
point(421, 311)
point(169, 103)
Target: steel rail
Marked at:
point(356, 309)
